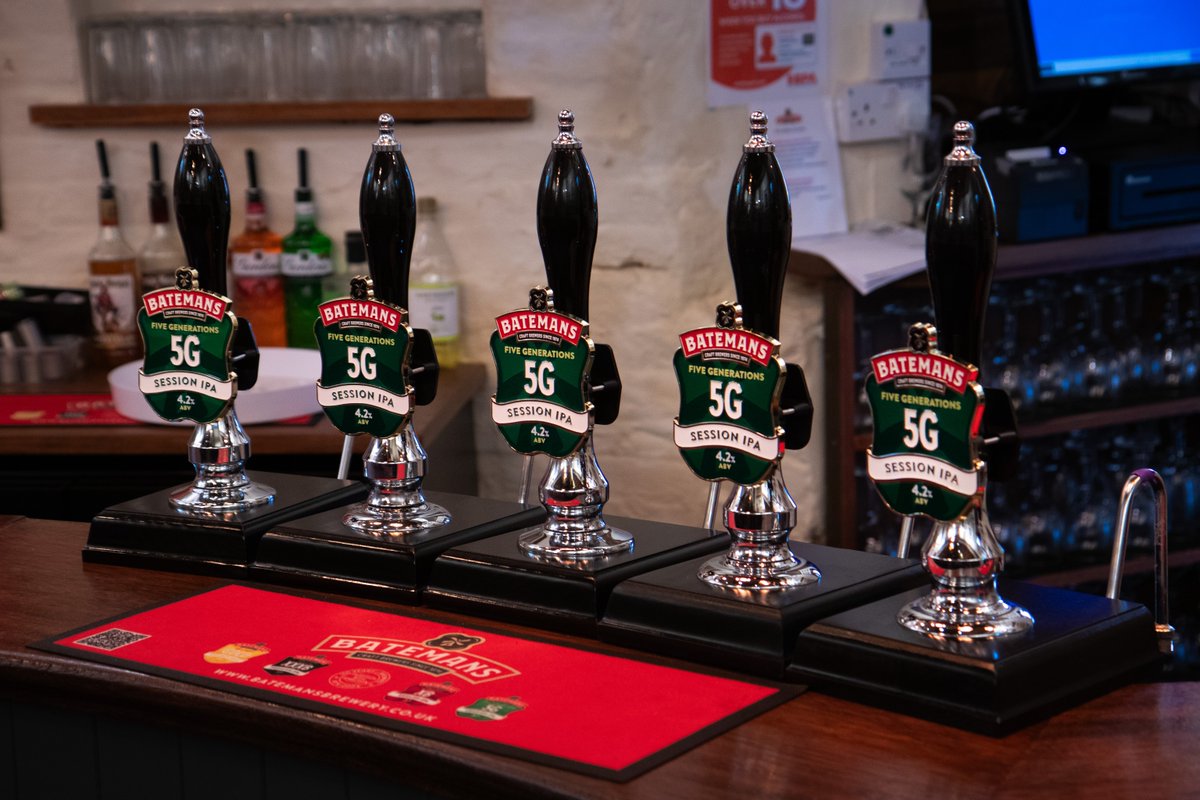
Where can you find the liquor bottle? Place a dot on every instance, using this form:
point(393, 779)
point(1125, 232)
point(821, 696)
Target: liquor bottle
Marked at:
point(113, 282)
point(307, 263)
point(356, 254)
point(255, 257)
point(960, 248)
point(162, 253)
point(433, 294)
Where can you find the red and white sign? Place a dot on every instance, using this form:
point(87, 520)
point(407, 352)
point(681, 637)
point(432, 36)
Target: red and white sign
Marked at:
point(764, 50)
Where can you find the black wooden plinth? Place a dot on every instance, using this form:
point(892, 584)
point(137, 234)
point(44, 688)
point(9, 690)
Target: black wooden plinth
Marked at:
point(320, 552)
point(1079, 646)
point(493, 578)
point(148, 532)
point(671, 611)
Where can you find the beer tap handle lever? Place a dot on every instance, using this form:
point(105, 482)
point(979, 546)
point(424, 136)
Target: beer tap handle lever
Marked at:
point(960, 253)
point(202, 213)
point(567, 222)
point(759, 232)
point(388, 218)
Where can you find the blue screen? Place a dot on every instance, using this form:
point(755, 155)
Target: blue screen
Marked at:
point(1093, 37)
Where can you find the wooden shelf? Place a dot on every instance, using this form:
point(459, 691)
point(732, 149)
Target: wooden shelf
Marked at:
point(1087, 420)
point(480, 109)
point(1098, 251)
point(1040, 259)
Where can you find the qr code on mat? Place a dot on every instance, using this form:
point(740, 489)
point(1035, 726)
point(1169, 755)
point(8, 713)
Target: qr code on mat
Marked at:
point(111, 639)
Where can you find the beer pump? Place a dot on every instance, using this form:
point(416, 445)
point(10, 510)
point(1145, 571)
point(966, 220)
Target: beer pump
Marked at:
point(975, 651)
point(554, 385)
point(198, 356)
point(376, 371)
point(741, 407)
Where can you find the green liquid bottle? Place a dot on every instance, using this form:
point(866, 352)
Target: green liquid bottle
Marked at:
point(307, 265)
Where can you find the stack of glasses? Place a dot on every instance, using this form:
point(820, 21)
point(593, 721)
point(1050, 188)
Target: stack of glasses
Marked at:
point(257, 57)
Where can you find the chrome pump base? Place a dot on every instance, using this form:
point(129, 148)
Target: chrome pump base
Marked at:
point(574, 491)
point(395, 465)
point(218, 450)
point(964, 560)
point(759, 518)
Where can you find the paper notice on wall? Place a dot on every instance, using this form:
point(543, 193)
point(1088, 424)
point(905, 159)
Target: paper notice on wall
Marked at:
point(807, 150)
point(766, 49)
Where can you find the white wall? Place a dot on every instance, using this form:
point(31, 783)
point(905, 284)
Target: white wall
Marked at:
point(633, 72)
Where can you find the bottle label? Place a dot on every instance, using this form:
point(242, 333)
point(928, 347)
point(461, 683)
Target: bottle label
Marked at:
point(543, 365)
point(306, 264)
point(114, 309)
point(730, 379)
point(187, 372)
point(434, 308)
point(926, 409)
point(256, 264)
point(364, 346)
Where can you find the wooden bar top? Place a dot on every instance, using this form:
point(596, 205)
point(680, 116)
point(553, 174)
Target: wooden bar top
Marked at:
point(1139, 741)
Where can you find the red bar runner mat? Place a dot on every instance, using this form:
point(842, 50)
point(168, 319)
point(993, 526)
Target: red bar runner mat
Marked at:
point(78, 409)
point(602, 715)
point(60, 409)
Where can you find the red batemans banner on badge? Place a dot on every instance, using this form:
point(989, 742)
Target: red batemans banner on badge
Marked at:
point(757, 44)
point(595, 713)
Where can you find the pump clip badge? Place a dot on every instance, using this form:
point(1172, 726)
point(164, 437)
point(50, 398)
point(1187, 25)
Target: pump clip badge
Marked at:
point(926, 409)
point(730, 382)
point(364, 345)
point(187, 334)
point(543, 365)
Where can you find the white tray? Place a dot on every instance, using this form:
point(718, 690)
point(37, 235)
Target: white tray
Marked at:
point(286, 388)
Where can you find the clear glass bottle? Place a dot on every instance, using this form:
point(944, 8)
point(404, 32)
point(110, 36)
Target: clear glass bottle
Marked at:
point(307, 265)
point(433, 292)
point(113, 281)
point(162, 253)
point(255, 261)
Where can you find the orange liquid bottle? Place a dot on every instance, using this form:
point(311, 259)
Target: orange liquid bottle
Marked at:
point(255, 262)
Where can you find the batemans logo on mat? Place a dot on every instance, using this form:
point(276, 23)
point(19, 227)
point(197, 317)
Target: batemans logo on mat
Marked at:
point(926, 409)
point(187, 334)
point(543, 363)
point(364, 345)
point(443, 655)
point(730, 380)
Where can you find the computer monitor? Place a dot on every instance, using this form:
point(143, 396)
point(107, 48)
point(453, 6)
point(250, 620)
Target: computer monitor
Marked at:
point(1091, 44)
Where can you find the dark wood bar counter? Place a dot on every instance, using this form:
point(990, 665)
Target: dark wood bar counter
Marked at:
point(72, 471)
point(1139, 741)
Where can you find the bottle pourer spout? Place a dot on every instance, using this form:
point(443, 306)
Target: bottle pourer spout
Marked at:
point(758, 141)
point(386, 143)
point(196, 132)
point(566, 132)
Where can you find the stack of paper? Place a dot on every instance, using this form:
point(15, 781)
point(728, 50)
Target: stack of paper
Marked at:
point(872, 255)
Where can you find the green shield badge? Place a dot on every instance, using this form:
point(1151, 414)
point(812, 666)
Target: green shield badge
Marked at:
point(364, 345)
point(187, 334)
point(543, 363)
point(730, 381)
point(926, 409)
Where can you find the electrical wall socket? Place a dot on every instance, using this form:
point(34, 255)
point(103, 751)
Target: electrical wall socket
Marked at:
point(900, 49)
point(913, 100)
point(868, 111)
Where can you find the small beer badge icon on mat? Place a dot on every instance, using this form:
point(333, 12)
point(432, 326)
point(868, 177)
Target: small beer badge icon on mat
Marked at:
point(454, 641)
point(297, 665)
point(491, 709)
point(236, 653)
point(427, 693)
